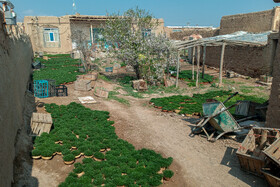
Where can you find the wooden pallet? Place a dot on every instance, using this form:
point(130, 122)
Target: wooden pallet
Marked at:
point(272, 180)
point(273, 151)
point(250, 153)
point(40, 123)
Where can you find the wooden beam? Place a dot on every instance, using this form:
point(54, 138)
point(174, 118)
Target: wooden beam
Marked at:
point(193, 57)
point(178, 67)
point(221, 65)
point(204, 60)
point(198, 63)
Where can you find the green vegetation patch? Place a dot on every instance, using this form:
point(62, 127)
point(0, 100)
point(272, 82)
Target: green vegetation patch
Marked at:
point(193, 105)
point(60, 68)
point(115, 162)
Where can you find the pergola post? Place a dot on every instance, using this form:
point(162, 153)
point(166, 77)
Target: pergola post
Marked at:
point(221, 64)
point(198, 63)
point(178, 67)
point(204, 60)
point(193, 57)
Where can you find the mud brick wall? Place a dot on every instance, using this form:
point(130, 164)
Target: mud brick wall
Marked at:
point(252, 22)
point(245, 60)
point(205, 33)
point(15, 103)
point(272, 116)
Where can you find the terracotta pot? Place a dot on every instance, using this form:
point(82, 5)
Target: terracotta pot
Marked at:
point(46, 158)
point(167, 179)
point(80, 174)
point(88, 156)
point(164, 110)
point(160, 107)
point(170, 111)
point(36, 157)
point(78, 155)
point(96, 159)
point(69, 162)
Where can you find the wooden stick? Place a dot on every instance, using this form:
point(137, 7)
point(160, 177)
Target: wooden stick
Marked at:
point(198, 63)
point(204, 60)
point(221, 65)
point(178, 65)
point(193, 57)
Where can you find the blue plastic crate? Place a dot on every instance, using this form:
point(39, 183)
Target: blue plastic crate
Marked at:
point(109, 69)
point(41, 88)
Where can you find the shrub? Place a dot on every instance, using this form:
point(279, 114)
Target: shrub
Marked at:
point(99, 155)
point(88, 153)
point(36, 152)
point(65, 151)
point(168, 174)
point(87, 161)
point(78, 169)
point(46, 153)
point(68, 157)
point(76, 152)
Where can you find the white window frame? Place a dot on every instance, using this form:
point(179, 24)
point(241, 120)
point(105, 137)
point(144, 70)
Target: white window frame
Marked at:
point(54, 31)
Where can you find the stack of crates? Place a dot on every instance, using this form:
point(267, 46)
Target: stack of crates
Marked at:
point(44, 88)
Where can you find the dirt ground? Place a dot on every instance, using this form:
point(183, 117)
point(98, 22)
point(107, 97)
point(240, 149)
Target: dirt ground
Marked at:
point(197, 162)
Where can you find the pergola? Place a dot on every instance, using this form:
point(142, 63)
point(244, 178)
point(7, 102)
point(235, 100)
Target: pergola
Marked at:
point(240, 38)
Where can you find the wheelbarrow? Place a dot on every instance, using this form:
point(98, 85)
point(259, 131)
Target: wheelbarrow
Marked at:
point(219, 118)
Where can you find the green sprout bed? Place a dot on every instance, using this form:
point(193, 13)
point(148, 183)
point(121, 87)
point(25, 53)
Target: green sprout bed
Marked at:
point(60, 68)
point(193, 105)
point(115, 162)
point(187, 76)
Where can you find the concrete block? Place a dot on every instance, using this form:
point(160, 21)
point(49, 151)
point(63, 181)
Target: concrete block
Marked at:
point(83, 85)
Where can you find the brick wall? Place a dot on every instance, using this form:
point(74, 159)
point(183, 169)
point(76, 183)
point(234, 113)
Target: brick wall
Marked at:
point(252, 22)
point(245, 60)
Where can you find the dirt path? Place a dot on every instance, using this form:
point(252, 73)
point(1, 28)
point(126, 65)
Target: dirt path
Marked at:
point(199, 162)
point(196, 161)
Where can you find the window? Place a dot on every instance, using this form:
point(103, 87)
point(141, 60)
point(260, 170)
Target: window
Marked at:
point(146, 32)
point(51, 35)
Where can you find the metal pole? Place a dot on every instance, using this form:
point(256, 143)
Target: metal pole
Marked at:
point(178, 66)
point(221, 64)
point(198, 63)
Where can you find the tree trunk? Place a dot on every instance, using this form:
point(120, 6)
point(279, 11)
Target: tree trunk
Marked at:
point(137, 71)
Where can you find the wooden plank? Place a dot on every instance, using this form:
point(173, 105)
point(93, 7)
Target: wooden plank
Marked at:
point(221, 65)
point(204, 60)
point(198, 63)
point(178, 69)
point(193, 57)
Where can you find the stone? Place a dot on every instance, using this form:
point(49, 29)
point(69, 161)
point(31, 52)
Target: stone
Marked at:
point(140, 85)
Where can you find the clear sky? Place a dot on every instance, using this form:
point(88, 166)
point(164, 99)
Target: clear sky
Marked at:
point(174, 12)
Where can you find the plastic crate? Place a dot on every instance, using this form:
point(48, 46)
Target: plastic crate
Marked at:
point(41, 88)
point(61, 91)
point(52, 88)
point(109, 69)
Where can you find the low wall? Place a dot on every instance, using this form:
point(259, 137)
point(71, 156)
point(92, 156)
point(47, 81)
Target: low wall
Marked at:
point(245, 60)
point(15, 103)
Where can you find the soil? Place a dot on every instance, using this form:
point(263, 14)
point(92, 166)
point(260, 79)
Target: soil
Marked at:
point(197, 162)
